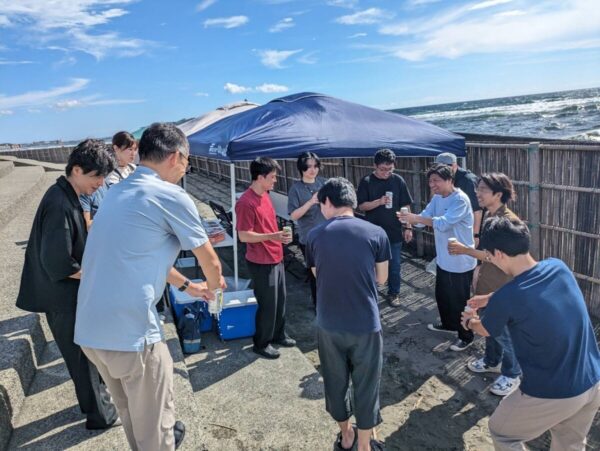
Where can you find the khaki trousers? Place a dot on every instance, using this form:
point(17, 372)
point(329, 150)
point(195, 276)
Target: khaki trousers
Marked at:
point(141, 386)
point(520, 418)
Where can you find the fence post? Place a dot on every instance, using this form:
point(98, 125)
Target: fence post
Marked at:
point(345, 168)
point(533, 166)
point(417, 202)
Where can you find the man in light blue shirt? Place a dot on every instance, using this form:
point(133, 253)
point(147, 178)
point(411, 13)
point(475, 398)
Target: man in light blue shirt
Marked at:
point(451, 216)
point(143, 224)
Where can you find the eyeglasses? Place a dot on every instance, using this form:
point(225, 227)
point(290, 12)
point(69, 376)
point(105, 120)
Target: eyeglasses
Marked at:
point(384, 169)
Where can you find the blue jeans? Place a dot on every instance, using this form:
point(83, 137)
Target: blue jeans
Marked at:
point(394, 269)
point(499, 349)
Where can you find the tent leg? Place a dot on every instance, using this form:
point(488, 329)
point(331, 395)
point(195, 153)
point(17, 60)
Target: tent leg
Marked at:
point(462, 162)
point(234, 222)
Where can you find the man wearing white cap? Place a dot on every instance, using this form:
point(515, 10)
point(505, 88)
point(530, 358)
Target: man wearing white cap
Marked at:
point(467, 182)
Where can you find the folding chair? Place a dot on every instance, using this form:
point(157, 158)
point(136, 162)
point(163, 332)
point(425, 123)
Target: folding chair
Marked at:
point(222, 215)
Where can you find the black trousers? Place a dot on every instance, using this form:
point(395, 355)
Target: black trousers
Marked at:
point(452, 291)
point(270, 292)
point(311, 277)
point(345, 357)
point(91, 392)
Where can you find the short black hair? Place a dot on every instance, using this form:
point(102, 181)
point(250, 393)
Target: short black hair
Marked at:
point(339, 191)
point(443, 171)
point(123, 140)
point(91, 155)
point(263, 166)
point(510, 236)
point(302, 162)
point(499, 183)
point(160, 140)
point(384, 156)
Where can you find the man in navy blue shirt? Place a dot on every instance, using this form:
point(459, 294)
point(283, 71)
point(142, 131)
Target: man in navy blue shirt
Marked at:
point(349, 257)
point(553, 339)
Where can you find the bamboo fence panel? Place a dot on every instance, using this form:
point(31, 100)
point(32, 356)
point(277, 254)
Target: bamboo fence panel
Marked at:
point(568, 189)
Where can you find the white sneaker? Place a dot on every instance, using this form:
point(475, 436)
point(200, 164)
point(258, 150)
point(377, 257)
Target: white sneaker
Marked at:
point(504, 386)
point(479, 366)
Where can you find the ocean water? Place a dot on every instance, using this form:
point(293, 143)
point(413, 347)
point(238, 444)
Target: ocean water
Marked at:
point(556, 115)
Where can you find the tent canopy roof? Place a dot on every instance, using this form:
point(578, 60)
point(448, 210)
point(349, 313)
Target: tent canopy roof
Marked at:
point(198, 123)
point(330, 127)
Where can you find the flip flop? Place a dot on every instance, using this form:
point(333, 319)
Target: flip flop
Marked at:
point(179, 433)
point(337, 446)
point(376, 445)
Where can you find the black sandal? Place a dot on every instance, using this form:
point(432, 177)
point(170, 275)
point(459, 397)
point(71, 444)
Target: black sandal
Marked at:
point(337, 446)
point(376, 445)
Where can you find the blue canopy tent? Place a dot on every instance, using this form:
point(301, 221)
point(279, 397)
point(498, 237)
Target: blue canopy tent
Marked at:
point(330, 127)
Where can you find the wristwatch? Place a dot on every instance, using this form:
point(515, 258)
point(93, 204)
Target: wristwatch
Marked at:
point(185, 285)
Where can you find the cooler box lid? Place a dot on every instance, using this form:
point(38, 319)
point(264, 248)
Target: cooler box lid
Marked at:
point(234, 299)
point(182, 297)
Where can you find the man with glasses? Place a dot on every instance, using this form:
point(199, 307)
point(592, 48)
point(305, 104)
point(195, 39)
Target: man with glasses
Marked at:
point(381, 210)
point(143, 224)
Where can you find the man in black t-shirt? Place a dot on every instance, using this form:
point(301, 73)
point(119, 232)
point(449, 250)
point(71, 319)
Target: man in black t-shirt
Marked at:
point(467, 182)
point(381, 210)
point(349, 257)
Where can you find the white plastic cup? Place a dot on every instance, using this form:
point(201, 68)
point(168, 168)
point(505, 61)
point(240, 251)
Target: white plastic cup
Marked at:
point(216, 305)
point(468, 309)
point(404, 210)
point(390, 196)
point(452, 240)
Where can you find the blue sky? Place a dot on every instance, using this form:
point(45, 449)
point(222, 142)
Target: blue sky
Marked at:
point(71, 69)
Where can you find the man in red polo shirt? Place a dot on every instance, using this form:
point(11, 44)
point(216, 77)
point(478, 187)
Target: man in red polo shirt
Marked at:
point(257, 226)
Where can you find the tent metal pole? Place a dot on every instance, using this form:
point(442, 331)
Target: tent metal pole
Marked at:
point(234, 222)
point(462, 162)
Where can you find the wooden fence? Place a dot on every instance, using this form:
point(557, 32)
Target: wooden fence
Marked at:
point(557, 184)
point(558, 194)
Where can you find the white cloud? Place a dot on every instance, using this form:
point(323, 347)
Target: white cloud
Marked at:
point(100, 45)
point(232, 88)
point(4, 62)
point(542, 27)
point(6, 112)
point(422, 2)
point(39, 98)
point(70, 23)
point(275, 58)
point(488, 4)
point(357, 35)
point(78, 103)
point(226, 22)
point(265, 88)
point(343, 3)
point(67, 104)
point(4, 21)
point(515, 12)
point(205, 4)
point(270, 88)
point(308, 58)
point(283, 24)
point(201, 94)
point(434, 22)
point(66, 14)
point(368, 16)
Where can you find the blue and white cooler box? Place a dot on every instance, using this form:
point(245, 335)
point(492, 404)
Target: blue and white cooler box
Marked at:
point(179, 300)
point(237, 319)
